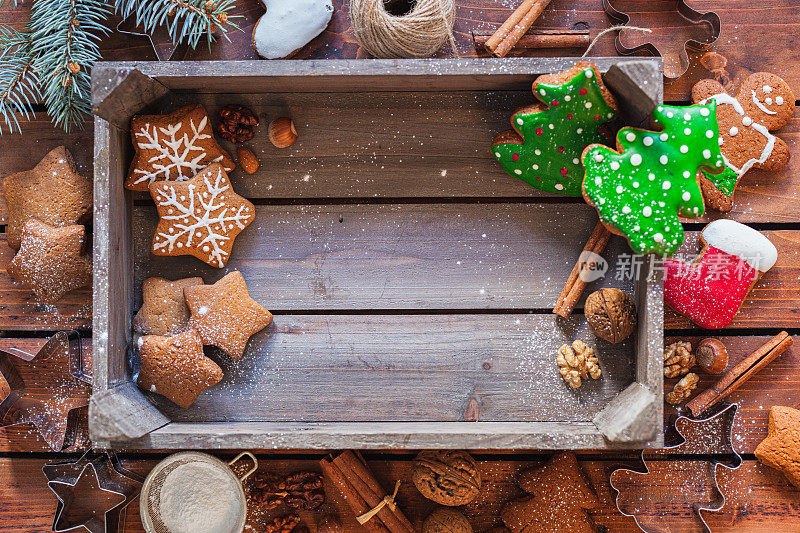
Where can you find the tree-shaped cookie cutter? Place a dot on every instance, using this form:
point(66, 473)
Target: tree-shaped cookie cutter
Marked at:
point(18, 408)
point(676, 442)
point(709, 19)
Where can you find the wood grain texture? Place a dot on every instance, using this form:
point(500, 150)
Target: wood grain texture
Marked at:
point(760, 499)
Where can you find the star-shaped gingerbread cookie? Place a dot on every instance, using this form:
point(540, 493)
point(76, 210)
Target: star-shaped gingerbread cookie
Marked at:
point(173, 147)
point(781, 449)
point(200, 217)
point(164, 310)
point(51, 260)
point(225, 315)
point(52, 192)
point(176, 367)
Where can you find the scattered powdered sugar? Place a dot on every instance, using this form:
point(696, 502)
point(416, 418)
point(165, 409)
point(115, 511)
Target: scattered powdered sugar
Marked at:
point(199, 498)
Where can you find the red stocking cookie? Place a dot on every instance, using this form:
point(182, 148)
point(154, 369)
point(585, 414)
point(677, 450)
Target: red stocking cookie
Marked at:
point(764, 103)
point(711, 289)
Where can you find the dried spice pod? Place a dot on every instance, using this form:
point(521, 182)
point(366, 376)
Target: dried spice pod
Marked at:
point(445, 520)
point(611, 314)
point(712, 356)
point(236, 123)
point(301, 490)
point(448, 477)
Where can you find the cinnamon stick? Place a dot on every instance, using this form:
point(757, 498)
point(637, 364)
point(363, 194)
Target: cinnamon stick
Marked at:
point(520, 29)
point(575, 285)
point(503, 31)
point(544, 39)
point(351, 496)
point(368, 487)
point(739, 374)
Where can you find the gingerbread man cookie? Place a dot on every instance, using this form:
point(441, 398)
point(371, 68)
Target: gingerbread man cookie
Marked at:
point(764, 103)
point(173, 147)
point(711, 289)
point(544, 148)
point(52, 192)
point(781, 448)
point(200, 217)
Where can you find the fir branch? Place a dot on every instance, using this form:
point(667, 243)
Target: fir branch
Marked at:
point(186, 20)
point(64, 36)
point(18, 80)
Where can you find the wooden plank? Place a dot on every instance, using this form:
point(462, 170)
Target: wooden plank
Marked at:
point(416, 256)
point(20, 311)
point(777, 384)
point(760, 499)
point(774, 301)
point(409, 368)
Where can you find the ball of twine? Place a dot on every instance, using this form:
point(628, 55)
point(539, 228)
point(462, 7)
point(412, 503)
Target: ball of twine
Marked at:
point(419, 33)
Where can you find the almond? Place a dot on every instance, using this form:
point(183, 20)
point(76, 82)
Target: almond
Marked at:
point(247, 159)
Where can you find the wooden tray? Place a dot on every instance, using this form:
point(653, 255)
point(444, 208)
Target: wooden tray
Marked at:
point(412, 281)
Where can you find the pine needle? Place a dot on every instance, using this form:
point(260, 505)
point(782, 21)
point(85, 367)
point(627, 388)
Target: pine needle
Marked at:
point(18, 81)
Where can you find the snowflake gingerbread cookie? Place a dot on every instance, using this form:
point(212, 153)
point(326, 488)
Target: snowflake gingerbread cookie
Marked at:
point(764, 103)
point(173, 147)
point(544, 148)
point(711, 289)
point(200, 217)
point(640, 189)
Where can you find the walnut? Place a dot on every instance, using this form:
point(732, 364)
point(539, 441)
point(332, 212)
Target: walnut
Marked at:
point(301, 490)
point(576, 363)
point(236, 123)
point(283, 524)
point(448, 477)
point(444, 520)
point(683, 389)
point(678, 359)
point(611, 314)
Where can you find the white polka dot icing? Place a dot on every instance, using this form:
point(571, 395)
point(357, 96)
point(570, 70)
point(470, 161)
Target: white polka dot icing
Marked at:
point(646, 210)
point(548, 145)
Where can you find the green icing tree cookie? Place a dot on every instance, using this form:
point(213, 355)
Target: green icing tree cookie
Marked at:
point(544, 150)
point(641, 188)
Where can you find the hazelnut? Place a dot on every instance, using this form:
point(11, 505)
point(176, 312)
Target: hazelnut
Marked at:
point(445, 520)
point(711, 356)
point(282, 133)
point(247, 160)
point(329, 524)
point(611, 314)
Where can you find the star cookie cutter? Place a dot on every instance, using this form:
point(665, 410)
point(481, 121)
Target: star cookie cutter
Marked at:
point(25, 404)
point(110, 477)
point(160, 39)
point(709, 19)
point(676, 441)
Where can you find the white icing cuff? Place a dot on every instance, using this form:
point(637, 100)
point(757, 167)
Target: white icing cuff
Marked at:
point(289, 25)
point(742, 241)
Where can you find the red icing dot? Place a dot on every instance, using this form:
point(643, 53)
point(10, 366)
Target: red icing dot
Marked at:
point(539, 179)
point(569, 116)
point(597, 117)
point(560, 149)
point(564, 172)
point(554, 103)
point(583, 91)
point(539, 131)
point(515, 157)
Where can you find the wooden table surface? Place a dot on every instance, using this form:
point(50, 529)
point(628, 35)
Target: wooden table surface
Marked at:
point(755, 37)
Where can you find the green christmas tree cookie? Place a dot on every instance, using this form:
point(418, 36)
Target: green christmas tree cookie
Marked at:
point(545, 147)
point(641, 189)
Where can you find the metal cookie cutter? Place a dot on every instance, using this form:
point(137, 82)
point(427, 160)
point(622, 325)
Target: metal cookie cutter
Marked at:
point(105, 474)
point(689, 435)
point(709, 19)
point(29, 401)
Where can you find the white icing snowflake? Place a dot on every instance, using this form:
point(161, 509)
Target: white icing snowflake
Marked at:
point(202, 215)
point(177, 150)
